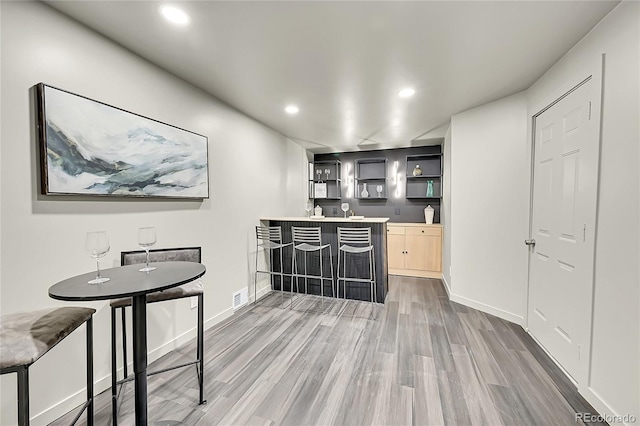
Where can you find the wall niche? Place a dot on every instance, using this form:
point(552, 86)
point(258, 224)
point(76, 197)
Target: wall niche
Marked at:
point(381, 183)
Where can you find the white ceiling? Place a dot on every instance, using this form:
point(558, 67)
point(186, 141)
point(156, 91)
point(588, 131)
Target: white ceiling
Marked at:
point(343, 63)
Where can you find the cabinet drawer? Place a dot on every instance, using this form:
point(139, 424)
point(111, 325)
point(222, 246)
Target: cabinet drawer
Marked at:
point(395, 230)
point(424, 230)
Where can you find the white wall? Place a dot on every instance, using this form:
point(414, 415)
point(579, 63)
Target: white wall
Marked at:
point(489, 207)
point(614, 384)
point(253, 173)
point(445, 213)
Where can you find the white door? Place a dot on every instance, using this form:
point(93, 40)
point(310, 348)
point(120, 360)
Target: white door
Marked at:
point(566, 147)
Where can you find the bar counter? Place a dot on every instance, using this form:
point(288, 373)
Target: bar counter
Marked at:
point(357, 265)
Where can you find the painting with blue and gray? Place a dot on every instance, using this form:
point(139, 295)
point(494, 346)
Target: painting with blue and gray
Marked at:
point(96, 149)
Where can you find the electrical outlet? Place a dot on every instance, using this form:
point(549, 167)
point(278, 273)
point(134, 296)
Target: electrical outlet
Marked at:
point(335, 210)
point(397, 212)
point(194, 302)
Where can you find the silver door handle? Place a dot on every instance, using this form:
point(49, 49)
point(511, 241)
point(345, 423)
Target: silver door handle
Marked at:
point(530, 242)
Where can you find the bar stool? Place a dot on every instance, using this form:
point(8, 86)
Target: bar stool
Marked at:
point(190, 289)
point(309, 240)
point(355, 241)
point(270, 238)
point(25, 337)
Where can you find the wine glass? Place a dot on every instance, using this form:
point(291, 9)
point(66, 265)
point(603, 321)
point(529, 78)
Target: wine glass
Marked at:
point(97, 246)
point(308, 207)
point(344, 207)
point(379, 190)
point(326, 172)
point(318, 172)
point(146, 239)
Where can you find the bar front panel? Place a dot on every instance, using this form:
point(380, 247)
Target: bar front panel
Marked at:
point(357, 265)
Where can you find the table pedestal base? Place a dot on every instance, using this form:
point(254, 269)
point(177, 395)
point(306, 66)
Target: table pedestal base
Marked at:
point(139, 304)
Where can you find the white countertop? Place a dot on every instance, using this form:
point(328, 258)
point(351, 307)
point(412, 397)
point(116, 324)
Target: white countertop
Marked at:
point(328, 219)
point(405, 224)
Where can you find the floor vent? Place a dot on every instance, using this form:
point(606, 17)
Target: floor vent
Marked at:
point(240, 298)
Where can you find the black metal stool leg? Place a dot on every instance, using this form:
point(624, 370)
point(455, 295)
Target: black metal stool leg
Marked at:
point(114, 376)
point(124, 342)
point(90, 371)
point(23, 396)
point(200, 339)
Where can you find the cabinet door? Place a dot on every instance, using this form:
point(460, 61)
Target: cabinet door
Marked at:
point(416, 248)
point(395, 247)
point(433, 253)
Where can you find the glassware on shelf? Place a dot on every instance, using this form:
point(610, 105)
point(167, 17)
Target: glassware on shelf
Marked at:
point(319, 173)
point(308, 207)
point(345, 208)
point(327, 172)
point(429, 188)
point(146, 240)
point(417, 171)
point(97, 246)
point(364, 193)
point(379, 190)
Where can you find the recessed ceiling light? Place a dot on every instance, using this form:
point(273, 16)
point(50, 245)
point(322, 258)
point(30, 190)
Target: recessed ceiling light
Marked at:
point(291, 109)
point(406, 92)
point(175, 15)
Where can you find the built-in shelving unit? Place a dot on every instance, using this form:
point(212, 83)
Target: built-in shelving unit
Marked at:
point(325, 180)
point(402, 199)
point(424, 177)
point(370, 182)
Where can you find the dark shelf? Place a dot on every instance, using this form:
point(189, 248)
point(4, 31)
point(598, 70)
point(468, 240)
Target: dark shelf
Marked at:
point(379, 160)
point(419, 197)
point(424, 177)
point(375, 178)
point(421, 156)
point(371, 198)
point(333, 181)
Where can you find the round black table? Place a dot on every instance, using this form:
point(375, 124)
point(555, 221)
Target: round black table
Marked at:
point(127, 281)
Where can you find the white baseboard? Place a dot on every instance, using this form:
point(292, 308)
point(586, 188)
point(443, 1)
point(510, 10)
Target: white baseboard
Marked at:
point(591, 396)
point(264, 291)
point(447, 287)
point(100, 385)
point(218, 318)
point(61, 408)
point(261, 292)
point(506, 315)
point(603, 408)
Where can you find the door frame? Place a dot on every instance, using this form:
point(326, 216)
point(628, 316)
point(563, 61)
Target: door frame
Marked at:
point(594, 73)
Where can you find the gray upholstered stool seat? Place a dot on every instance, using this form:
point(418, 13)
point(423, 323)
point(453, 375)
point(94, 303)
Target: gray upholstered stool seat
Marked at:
point(25, 337)
point(193, 288)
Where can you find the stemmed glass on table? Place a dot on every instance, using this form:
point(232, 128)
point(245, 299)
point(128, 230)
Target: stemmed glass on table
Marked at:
point(308, 207)
point(146, 240)
point(97, 246)
point(344, 207)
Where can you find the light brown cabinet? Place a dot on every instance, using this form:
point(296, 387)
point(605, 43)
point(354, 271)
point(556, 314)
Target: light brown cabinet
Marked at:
point(414, 249)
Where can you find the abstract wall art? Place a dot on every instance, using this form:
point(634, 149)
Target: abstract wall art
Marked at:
point(91, 148)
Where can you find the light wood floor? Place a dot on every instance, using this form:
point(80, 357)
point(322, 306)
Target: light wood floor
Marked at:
point(418, 360)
